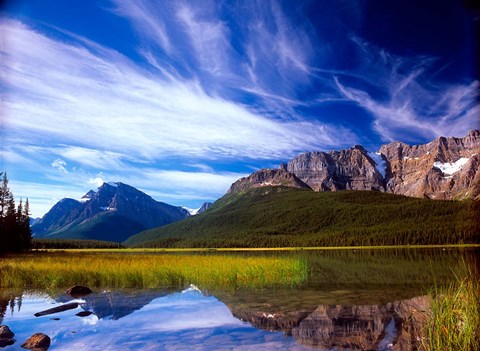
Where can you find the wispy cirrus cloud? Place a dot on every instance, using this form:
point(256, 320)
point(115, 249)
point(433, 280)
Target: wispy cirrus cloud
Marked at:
point(209, 38)
point(411, 104)
point(247, 47)
point(106, 102)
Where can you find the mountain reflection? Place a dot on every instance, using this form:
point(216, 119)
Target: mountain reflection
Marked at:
point(117, 304)
point(390, 326)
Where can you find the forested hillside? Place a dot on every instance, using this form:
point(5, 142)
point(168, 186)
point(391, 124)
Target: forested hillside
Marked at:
point(281, 217)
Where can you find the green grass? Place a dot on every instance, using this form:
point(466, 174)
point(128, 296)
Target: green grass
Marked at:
point(288, 217)
point(63, 269)
point(454, 320)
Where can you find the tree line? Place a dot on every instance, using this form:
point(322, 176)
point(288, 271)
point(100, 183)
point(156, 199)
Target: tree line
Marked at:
point(15, 233)
point(44, 244)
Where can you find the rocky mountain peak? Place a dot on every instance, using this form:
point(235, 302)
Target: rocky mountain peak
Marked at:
point(55, 218)
point(88, 196)
point(267, 177)
point(116, 199)
point(446, 168)
point(350, 169)
point(204, 207)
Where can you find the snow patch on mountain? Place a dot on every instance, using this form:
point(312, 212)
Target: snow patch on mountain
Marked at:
point(380, 164)
point(451, 168)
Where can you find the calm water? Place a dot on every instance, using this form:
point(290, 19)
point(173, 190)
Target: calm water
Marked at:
point(352, 301)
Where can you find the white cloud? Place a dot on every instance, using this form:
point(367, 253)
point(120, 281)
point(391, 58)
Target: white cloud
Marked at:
point(127, 111)
point(268, 57)
point(92, 158)
point(208, 37)
point(97, 181)
point(60, 165)
point(148, 18)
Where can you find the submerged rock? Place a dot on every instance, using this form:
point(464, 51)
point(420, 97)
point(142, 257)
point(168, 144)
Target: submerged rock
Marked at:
point(66, 307)
point(37, 342)
point(78, 291)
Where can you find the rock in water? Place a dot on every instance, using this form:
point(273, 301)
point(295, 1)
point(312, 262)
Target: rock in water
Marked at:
point(78, 291)
point(37, 342)
point(5, 332)
point(6, 336)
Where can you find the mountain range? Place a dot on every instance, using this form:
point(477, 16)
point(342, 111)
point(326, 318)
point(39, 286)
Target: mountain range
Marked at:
point(113, 213)
point(300, 203)
point(444, 169)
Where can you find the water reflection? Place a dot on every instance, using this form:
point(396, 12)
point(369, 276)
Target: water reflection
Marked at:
point(114, 305)
point(187, 320)
point(158, 320)
point(393, 326)
point(353, 301)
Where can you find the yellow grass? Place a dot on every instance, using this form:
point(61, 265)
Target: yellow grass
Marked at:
point(128, 269)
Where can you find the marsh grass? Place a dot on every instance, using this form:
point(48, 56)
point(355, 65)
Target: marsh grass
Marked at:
point(454, 319)
point(116, 270)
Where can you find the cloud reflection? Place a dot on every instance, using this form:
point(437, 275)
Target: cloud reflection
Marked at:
point(179, 321)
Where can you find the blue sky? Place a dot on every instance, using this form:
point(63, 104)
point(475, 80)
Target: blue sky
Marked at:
point(181, 98)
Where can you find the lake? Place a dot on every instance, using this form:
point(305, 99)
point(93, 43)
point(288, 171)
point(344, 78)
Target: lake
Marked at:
point(352, 300)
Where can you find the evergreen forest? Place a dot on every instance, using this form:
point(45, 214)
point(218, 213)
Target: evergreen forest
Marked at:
point(15, 234)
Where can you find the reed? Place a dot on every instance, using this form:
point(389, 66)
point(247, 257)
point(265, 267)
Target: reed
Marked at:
point(117, 270)
point(454, 319)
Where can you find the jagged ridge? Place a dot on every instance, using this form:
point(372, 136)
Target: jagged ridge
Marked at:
point(446, 168)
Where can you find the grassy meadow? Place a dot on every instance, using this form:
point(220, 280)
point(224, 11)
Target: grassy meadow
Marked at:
point(53, 270)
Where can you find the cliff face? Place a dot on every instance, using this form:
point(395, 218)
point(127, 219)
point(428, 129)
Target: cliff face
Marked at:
point(446, 168)
point(350, 169)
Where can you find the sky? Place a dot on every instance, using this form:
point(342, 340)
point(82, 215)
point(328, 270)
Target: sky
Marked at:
point(181, 98)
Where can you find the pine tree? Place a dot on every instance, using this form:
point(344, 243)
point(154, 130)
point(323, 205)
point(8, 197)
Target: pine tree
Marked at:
point(15, 233)
point(26, 237)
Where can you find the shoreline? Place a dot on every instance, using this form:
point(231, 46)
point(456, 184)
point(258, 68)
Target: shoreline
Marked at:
point(241, 249)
